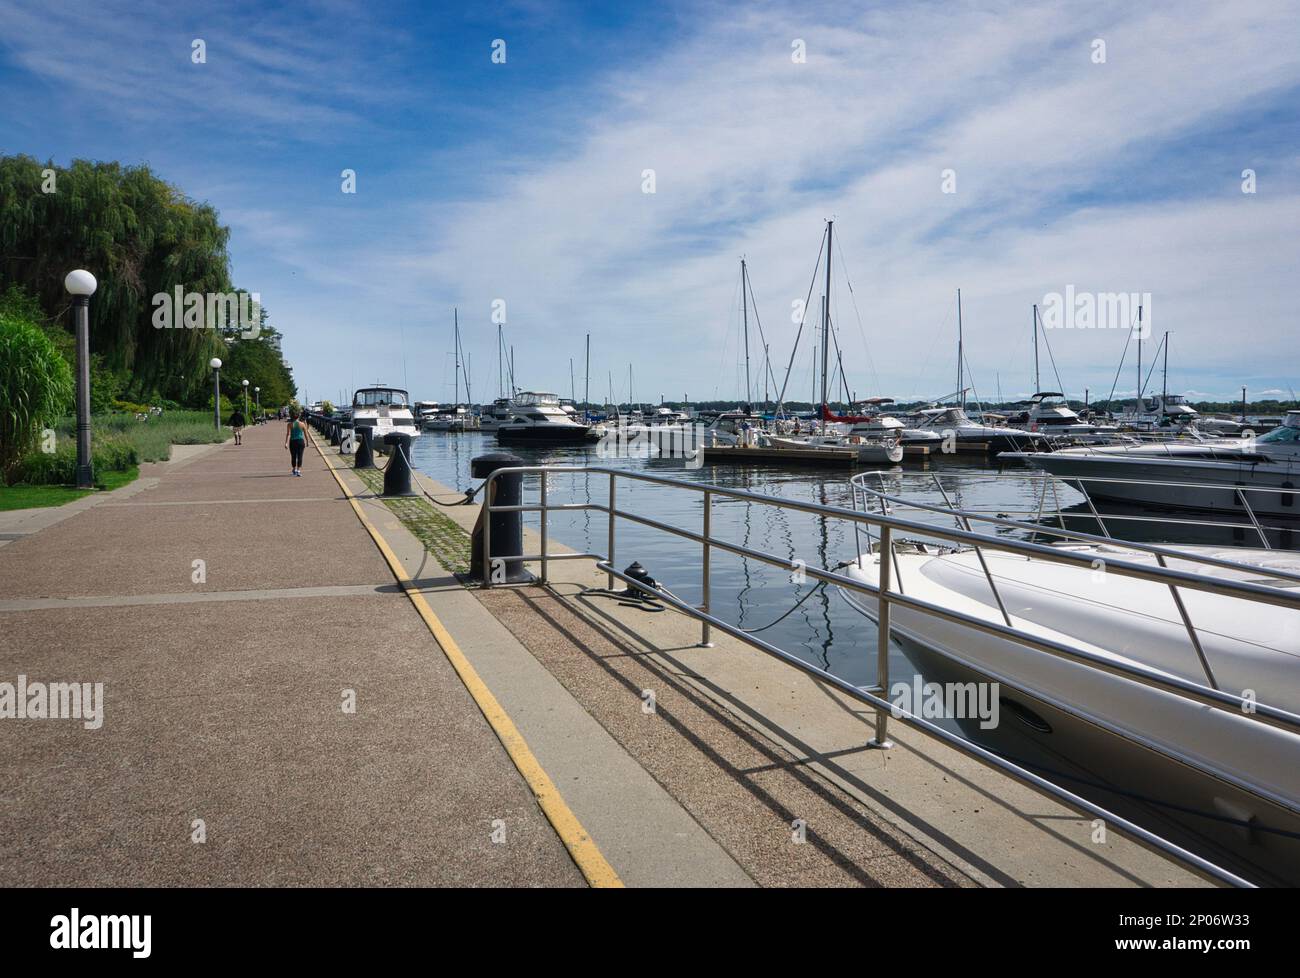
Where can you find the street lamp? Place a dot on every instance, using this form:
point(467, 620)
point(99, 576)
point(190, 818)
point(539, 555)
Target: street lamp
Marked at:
point(81, 286)
point(246, 408)
point(257, 397)
point(215, 364)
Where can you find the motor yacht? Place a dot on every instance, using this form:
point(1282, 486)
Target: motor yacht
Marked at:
point(537, 417)
point(387, 410)
point(1047, 413)
point(952, 421)
point(1234, 475)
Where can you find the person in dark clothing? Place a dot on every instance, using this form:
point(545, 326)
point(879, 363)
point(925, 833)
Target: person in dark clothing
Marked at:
point(237, 422)
point(295, 439)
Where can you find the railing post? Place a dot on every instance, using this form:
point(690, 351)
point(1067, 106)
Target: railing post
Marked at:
point(706, 637)
point(881, 739)
point(610, 545)
point(488, 493)
point(544, 515)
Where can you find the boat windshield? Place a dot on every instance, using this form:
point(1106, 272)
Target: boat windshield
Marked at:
point(1286, 433)
point(377, 396)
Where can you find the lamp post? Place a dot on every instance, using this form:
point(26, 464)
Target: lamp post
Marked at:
point(215, 364)
point(246, 406)
point(257, 398)
point(81, 286)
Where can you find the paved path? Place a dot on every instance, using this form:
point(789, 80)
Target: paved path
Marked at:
point(223, 699)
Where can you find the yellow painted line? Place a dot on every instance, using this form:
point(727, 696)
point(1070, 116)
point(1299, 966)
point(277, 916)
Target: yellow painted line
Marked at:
point(582, 848)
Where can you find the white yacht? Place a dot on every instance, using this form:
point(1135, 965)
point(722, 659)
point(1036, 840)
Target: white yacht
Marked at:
point(450, 418)
point(1049, 414)
point(425, 411)
point(1223, 780)
point(877, 424)
point(952, 421)
point(1212, 474)
point(537, 417)
point(1165, 412)
point(494, 416)
point(385, 409)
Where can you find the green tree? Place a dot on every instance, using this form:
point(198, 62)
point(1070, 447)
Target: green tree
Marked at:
point(139, 236)
point(35, 387)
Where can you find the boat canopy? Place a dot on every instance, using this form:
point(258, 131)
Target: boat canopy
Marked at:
point(377, 396)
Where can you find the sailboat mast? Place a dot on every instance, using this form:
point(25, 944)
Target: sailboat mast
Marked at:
point(1165, 383)
point(501, 377)
point(744, 304)
point(586, 384)
point(961, 394)
point(826, 318)
point(1139, 381)
point(1038, 384)
point(455, 318)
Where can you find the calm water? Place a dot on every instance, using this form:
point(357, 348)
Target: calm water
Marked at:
point(824, 630)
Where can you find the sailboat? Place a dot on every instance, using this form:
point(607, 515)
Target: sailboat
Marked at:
point(870, 450)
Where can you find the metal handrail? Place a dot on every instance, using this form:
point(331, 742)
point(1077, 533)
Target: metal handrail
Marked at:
point(1209, 696)
point(886, 596)
point(1081, 536)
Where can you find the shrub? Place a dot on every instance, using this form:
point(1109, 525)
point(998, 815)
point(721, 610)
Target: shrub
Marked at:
point(60, 466)
point(35, 388)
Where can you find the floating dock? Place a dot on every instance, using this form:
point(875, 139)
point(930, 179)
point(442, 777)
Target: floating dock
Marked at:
point(831, 457)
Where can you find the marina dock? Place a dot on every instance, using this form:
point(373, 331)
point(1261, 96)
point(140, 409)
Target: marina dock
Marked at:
point(534, 735)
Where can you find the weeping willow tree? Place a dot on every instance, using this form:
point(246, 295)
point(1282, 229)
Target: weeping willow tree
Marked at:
point(139, 236)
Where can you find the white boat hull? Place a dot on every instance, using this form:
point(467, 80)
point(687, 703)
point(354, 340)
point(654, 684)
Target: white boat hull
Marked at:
point(1155, 481)
point(1122, 742)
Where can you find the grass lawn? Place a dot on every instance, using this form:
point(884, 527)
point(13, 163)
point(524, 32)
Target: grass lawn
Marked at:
point(34, 497)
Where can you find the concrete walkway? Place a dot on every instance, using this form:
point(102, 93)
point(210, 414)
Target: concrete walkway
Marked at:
point(230, 611)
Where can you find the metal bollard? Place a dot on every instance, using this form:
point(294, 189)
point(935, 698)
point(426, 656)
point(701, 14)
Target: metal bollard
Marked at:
point(397, 477)
point(365, 448)
point(504, 531)
point(347, 440)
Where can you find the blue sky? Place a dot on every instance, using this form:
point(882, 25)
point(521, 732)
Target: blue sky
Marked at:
point(522, 181)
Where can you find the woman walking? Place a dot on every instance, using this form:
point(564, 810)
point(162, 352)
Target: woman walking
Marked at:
point(237, 422)
point(295, 439)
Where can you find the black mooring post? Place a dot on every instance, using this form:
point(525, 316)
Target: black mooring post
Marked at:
point(365, 458)
point(334, 433)
point(507, 528)
point(397, 477)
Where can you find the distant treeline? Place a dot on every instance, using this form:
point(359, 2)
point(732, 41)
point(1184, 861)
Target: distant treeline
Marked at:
point(1118, 405)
